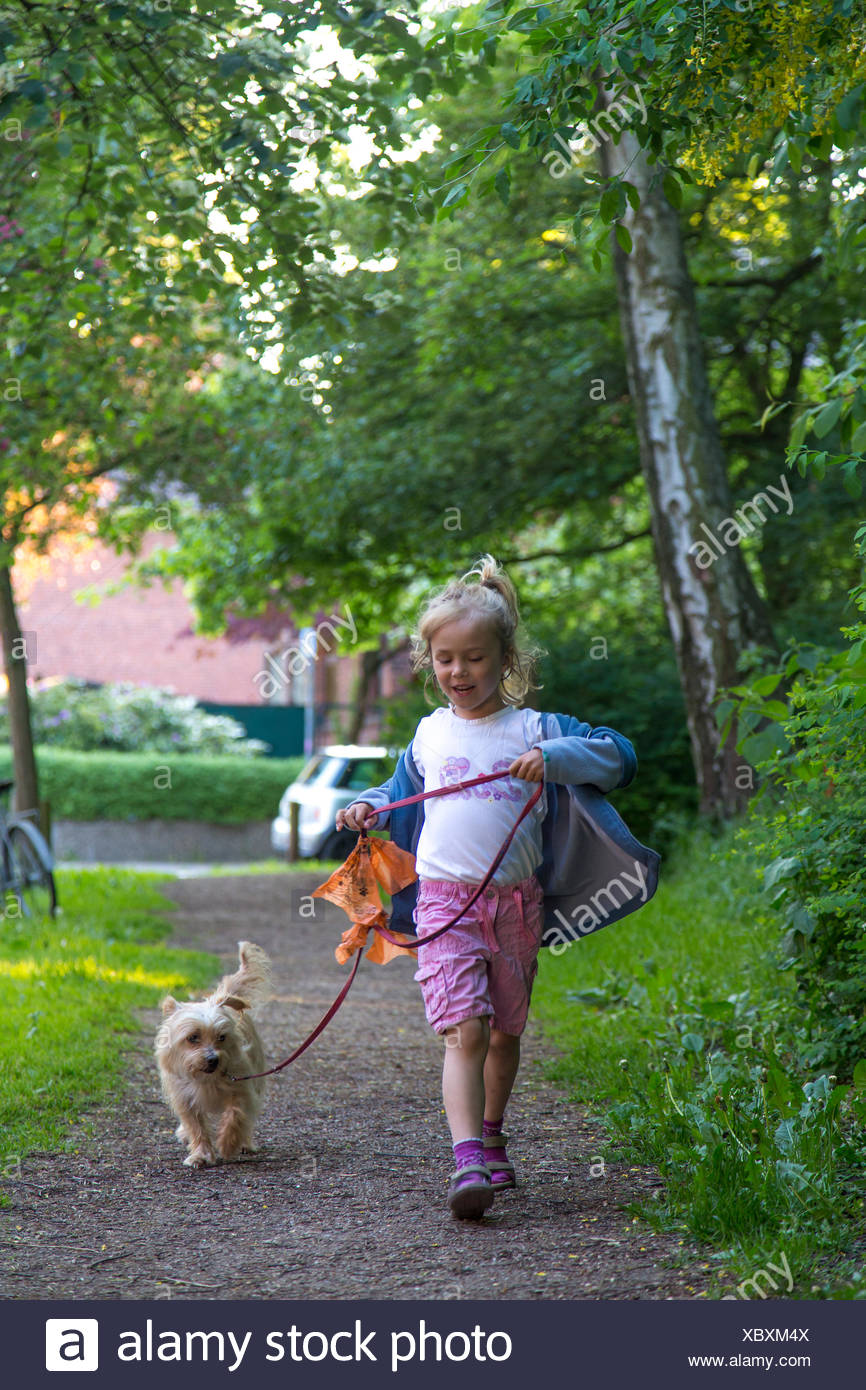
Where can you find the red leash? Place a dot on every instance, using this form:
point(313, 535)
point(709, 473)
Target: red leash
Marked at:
point(440, 931)
point(320, 1026)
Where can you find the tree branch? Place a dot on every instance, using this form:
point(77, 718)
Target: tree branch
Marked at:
point(777, 283)
point(584, 554)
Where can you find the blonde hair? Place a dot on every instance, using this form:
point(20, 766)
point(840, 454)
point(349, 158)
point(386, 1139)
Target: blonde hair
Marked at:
point(494, 599)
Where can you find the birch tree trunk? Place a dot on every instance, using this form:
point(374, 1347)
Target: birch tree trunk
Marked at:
point(714, 611)
point(18, 703)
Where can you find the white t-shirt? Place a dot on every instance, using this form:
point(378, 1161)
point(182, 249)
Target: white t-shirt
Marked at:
point(462, 832)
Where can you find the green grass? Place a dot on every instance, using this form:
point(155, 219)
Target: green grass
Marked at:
point(68, 991)
point(690, 934)
point(677, 1028)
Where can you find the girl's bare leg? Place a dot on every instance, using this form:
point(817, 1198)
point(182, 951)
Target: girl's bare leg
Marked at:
point(500, 1071)
point(463, 1074)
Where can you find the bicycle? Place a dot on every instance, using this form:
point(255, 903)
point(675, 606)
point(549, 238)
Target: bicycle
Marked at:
point(26, 862)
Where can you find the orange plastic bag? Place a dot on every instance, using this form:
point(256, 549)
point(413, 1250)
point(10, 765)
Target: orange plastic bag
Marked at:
point(355, 888)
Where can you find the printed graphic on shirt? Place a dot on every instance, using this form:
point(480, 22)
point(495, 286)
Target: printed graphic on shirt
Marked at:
point(455, 770)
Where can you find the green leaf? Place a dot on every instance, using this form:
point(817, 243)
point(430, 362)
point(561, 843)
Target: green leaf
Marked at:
point(648, 46)
point(827, 418)
point(783, 867)
point(779, 160)
point(510, 134)
point(454, 194)
point(692, 1042)
point(760, 747)
point(860, 1074)
point(775, 709)
point(850, 478)
point(502, 184)
point(765, 684)
point(847, 112)
point(858, 439)
point(780, 1086)
point(610, 204)
point(673, 190)
point(798, 432)
point(623, 236)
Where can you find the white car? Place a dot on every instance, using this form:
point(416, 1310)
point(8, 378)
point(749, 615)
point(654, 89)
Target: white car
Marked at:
point(334, 777)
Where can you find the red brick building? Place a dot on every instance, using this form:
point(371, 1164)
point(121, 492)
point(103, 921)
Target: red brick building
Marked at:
point(145, 635)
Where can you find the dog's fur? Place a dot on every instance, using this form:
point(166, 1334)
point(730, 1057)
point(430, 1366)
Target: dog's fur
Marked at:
point(200, 1046)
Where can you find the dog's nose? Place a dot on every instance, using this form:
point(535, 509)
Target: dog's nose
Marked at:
point(212, 1061)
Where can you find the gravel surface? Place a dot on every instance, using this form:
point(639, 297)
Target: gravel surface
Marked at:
point(347, 1197)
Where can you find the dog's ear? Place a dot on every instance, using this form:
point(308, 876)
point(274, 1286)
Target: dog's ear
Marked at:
point(234, 1003)
point(169, 1005)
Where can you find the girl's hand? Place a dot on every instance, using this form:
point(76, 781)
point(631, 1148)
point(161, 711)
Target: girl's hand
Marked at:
point(529, 766)
point(353, 817)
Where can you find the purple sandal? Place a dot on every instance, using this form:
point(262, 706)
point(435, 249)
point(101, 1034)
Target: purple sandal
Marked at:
point(501, 1170)
point(470, 1192)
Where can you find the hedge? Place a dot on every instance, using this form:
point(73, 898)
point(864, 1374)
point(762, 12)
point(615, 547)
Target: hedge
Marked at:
point(221, 790)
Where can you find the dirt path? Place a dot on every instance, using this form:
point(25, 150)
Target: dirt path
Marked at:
point(347, 1197)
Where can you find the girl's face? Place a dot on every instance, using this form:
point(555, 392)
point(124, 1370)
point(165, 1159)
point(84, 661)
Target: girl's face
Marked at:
point(467, 662)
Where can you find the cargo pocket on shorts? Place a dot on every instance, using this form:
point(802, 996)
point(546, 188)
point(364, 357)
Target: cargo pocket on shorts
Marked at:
point(431, 978)
point(532, 915)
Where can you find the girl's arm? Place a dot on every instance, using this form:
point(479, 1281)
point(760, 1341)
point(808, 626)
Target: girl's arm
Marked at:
point(604, 758)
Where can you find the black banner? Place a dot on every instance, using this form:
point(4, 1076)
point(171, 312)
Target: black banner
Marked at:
point(374, 1344)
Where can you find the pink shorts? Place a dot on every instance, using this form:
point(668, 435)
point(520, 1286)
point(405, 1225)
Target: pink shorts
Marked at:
point(486, 965)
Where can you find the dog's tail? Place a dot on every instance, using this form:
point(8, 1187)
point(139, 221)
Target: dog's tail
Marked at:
point(252, 982)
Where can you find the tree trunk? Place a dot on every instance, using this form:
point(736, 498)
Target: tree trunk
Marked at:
point(18, 703)
point(713, 608)
point(371, 663)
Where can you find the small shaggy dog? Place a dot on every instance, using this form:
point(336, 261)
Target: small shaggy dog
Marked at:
point(200, 1047)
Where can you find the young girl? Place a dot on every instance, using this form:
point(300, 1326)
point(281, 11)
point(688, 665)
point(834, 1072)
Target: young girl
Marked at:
point(476, 979)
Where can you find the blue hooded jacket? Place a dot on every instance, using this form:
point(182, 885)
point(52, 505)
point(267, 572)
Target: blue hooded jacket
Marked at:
point(593, 871)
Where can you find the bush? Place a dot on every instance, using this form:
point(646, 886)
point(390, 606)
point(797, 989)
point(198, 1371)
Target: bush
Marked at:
point(130, 719)
point(150, 786)
point(679, 1016)
point(809, 822)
